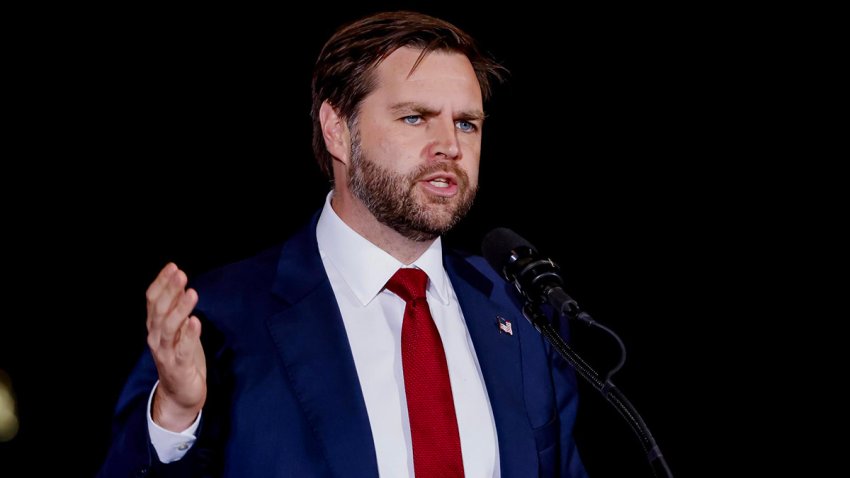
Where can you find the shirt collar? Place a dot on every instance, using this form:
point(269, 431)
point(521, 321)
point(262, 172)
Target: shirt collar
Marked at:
point(365, 267)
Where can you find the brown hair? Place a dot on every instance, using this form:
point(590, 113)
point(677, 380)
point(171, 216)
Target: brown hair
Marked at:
point(343, 75)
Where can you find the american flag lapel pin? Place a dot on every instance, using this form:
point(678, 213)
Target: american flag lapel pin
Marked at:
point(504, 325)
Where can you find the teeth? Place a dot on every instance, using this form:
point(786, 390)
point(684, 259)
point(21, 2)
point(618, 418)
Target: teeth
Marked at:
point(440, 183)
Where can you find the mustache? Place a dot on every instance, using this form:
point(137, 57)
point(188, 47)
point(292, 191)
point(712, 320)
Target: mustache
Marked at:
point(442, 167)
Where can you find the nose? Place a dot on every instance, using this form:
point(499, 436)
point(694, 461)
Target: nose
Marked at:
point(445, 142)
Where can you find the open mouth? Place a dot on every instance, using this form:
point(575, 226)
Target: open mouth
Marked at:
point(441, 184)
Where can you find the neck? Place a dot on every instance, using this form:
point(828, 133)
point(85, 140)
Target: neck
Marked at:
point(354, 214)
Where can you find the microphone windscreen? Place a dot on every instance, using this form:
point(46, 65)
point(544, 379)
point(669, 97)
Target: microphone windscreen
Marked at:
point(498, 245)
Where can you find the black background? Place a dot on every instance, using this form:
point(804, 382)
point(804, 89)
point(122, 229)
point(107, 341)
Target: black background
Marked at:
point(624, 145)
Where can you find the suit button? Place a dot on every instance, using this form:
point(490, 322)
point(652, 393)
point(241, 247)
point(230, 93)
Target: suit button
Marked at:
point(142, 472)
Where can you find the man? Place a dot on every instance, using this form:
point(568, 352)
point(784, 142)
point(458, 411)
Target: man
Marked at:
point(359, 347)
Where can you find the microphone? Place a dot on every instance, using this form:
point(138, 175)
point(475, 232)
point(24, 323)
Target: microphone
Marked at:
point(537, 278)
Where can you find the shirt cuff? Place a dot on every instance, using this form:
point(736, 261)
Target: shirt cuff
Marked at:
point(170, 446)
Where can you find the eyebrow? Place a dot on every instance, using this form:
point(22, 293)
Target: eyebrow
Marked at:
point(421, 109)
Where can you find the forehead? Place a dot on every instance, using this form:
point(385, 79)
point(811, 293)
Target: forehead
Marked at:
point(440, 73)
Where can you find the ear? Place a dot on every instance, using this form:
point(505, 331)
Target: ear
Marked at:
point(335, 132)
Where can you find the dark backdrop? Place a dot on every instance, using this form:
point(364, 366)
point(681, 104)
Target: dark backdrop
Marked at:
point(146, 136)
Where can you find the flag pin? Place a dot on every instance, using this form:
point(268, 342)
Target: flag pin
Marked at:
point(504, 325)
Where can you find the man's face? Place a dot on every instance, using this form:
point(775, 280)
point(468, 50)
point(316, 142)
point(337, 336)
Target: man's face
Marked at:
point(416, 142)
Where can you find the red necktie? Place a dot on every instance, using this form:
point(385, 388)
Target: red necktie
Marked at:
point(430, 406)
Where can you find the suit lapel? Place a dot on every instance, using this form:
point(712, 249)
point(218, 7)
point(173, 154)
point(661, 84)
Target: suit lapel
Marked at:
point(501, 365)
point(311, 340)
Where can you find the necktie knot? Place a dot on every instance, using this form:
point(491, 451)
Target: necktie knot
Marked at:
point(409, 284)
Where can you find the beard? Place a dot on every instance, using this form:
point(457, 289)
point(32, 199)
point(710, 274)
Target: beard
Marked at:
point(395, 202)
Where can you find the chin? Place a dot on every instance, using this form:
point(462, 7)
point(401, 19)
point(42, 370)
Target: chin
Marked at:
point(441, 220)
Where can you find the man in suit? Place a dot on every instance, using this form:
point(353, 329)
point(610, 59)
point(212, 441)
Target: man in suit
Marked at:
point(359, 347)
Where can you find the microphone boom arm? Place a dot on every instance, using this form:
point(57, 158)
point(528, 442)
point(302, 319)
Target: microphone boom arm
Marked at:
point(606, 387)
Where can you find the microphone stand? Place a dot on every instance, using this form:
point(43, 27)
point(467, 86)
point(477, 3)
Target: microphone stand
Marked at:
point(609, 391)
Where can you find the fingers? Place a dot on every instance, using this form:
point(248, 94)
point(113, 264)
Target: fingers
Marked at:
point(190, 341)
point(161, 293)
point(169, 305)
point(174, 320)
point(161, 280)
point(168, 295)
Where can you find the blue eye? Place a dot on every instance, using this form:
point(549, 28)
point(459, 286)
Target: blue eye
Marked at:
point(466, 126)
point(412, 119)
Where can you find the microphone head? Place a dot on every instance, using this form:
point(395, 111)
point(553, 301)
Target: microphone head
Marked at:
point(536, 278)
point(502, 247)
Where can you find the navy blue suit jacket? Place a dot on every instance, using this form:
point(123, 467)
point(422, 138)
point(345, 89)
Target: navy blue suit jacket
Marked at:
point(284, 398)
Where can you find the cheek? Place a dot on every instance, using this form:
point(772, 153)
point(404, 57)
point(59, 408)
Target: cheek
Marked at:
point(401, 157)
point(471, 161)
point(385, 146)
point(389, 150)
point(472, 172)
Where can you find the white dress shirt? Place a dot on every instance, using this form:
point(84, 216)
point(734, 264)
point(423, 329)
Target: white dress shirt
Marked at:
point(358, 271)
